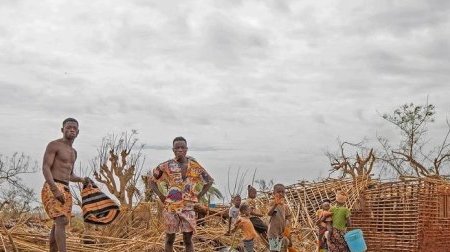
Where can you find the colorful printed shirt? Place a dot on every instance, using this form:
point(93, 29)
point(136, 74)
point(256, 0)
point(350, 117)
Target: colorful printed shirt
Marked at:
point(182, 192)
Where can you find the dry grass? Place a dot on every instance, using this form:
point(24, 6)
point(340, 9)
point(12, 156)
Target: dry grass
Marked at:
point(139, 229)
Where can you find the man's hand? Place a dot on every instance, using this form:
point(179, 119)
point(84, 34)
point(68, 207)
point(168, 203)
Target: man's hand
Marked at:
point(58, 195)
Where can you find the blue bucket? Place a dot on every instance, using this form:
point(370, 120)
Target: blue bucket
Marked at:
point(355, 241)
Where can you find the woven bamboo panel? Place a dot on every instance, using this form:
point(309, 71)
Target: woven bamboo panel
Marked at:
point(434, 216)
point(402, 216)
point(305, 198)
point(389, 217)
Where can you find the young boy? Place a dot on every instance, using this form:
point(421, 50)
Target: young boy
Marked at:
point(279, 220)
point(324, 221)
point(244, 223)
point(255, 213)
point(233, 213)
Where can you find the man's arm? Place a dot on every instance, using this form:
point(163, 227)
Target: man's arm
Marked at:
point(153, 179)
point(154, 186)
point(207, 181)
point(49, 159)
point(75, 178)
point(204, 189)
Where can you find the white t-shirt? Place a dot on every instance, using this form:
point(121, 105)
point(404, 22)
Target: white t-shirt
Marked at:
point(234, 214)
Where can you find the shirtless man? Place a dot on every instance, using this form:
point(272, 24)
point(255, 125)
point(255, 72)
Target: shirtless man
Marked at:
point(59, 159)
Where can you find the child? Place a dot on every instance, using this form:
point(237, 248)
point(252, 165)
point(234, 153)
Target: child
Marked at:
point(255, 213)
point(324, 222)
point(341, 220)
point(233, 213)
point(279, 220)
point(247, 228)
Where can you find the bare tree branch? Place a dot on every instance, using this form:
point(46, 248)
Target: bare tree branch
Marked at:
point(119, 165)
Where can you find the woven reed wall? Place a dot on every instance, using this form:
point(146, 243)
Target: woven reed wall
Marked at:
point(389, 218)
point(434, 216)
point(402, 216)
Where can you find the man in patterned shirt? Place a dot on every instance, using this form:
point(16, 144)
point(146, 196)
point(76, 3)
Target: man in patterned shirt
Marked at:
point(187, 181)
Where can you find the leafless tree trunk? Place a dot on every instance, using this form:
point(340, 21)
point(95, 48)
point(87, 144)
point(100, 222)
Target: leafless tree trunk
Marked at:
point(118, 166)
point(358, 166)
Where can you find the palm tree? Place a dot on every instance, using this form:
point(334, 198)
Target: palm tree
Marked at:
point(212, 193)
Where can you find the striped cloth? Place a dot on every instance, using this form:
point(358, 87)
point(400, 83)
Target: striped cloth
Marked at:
point(97, 207)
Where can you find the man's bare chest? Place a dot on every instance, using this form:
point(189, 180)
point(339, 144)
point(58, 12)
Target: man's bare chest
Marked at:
point(66, 154)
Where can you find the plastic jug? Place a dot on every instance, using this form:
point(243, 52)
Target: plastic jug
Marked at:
point(355, 241)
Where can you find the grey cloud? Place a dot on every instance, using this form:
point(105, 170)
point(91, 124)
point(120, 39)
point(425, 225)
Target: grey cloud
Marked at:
point(260, 159)
point(296, 76)
point(319, 118)
point(196, 148)
point(439, 50)
point(409, 17)
point(157, 147)
point(14, 55)
point(359, 113)
point(227, 42)
point(3, 31)
point(10, 3)
point(134, 40)
point(281, 6)
point(17, 96)
point(396, 18)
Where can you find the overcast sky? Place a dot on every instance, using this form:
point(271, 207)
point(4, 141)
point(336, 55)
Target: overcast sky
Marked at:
point(252, 84)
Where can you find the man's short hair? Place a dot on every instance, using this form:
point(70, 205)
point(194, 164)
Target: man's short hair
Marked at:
point(326, 200)
point(70, 119)
point(179, 138)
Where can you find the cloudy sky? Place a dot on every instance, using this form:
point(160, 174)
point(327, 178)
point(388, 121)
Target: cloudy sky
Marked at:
point(253, 84)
